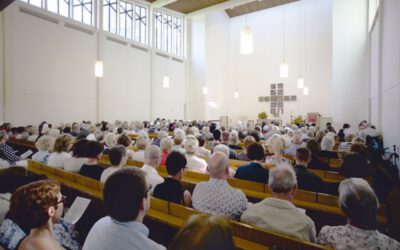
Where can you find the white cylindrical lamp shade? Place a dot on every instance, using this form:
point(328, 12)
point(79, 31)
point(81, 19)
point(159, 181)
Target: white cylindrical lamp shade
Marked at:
point(165, 82)
point(236, 94)
point(98, 69)
point(284, 70)
point(246, 41)
point(305, 91)
point(205, 90)
point(300, 82)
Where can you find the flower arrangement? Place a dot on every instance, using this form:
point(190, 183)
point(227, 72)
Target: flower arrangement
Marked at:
point(262, 115)
point(298, 120)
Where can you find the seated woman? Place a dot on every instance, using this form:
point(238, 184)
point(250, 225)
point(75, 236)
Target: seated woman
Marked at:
point(202, 151)
point(40, 207)
point(166, 147)
point(193, 162)
point(61, 149)
point(74, 163)
point(315, 162)
point(360, 204)
point(7, 154)
point(327, 145)
point(254, 171)
point(276, 145)
point(141, 144)
point(246, 142)
point(44, 145)
point(356, 164)
point(91, 169)
point(110, 139)
point(204, 232)
point(234, 140)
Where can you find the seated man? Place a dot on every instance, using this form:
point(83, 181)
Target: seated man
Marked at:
point(216, 196)
point(306, 180)
point(152, 158)
point(278, 213)
point(254, 171)
point(297, 142)
point(127, 199)
point(172, 190)
point(118, 158)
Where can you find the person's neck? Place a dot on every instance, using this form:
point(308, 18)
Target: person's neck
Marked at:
point(220, 177)
point(175, 177)
point(282, 196)
point(91, 161)
point(44, 231)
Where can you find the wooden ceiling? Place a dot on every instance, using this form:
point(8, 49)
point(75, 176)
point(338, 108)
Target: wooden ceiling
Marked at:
point(189, 6)
point(256, 6)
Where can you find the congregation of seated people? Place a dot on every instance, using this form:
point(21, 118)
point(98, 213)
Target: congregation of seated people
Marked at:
point(282, 158)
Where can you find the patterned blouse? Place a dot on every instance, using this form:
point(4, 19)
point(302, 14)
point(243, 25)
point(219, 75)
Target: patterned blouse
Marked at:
point(276, 160)
point(7, 153)
point(349, 237)
point(217, 197)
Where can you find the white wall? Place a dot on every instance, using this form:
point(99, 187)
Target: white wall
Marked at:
point(1, 67)
point(390, 59)
point(252, 75)
point(350, 62)
point(374, 76)
point(50, 74)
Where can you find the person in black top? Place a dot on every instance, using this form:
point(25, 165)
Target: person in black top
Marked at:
point(315, 162)
point(254, 171)
point(341, 134)
point(305, 179)
point(93, 151)
point(171, 189)
point(355, 164)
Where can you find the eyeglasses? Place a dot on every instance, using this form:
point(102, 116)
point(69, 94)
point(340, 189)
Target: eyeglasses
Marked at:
point(63, 199)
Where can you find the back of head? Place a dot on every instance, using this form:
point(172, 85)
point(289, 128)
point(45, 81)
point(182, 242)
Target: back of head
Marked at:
point(276, 144)
point(29, 203)
point(152, 152)
point(303, 154)
point(217, 134)
point(93, 149)
point(123, 193)
point(201, 139)
point(162, 134)
point(218, 165)
point(117, 154)
point(282, 179)
point(166, 144)
point(191, 145)
point(297, 139)
point(248, 140)
point(359, 148)
point(225, 137)
point(175, 162)
point(222, 148)
point(313, 146)
point(359, 202)
point(142, 142)
point(327, 143)
point(110, 139)
point(63, 143)
point(124, 140)
point(255, 152)
point(45, 143)
point(234, 137)
point(204, 232)
point(78, 149)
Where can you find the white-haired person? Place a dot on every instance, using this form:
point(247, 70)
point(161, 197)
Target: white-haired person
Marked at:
point(297, 142)
point(152, 158)
point(202, 151)
point(246, 143)
point(61, 148)
point(110, 140)
point(346, 144)
point(276, 145)
point(141, 144)
point(179, 139)
point(160, 136)
point(234, 140)
point(278, 213)
point(44, 146)
point(359, 203)
point(327, 145)
point(193, 162)
point(216, 196)
point(226, 151)
point(166, 145)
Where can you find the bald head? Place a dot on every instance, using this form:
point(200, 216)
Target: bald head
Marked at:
point(218, 165)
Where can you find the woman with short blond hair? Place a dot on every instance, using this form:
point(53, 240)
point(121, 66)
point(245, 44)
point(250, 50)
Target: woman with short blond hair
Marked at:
point(61, 148)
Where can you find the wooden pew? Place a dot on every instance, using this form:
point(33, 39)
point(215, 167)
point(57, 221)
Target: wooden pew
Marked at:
point(175, 215)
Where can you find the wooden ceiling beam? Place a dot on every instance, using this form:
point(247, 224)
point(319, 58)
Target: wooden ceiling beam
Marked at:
point(161, 3)
point(218, 7)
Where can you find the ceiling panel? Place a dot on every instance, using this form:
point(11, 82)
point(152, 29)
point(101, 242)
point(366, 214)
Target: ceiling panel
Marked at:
point(186, 6)
point(256, 6)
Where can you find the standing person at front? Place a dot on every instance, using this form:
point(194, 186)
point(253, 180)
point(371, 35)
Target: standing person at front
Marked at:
point(127, 199)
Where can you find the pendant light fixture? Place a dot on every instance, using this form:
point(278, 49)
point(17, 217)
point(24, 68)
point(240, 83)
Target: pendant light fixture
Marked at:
point(284, 68)
point(305, 91)
point(300, 80)
point(205, 90)
point(98, 69)
point(246, 40)
point(236, 94)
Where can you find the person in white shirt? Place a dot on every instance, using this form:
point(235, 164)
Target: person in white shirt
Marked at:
point(118, 157)
point(152, 158)
point(193, 162)
point(78, 158)
point(216, 196)
point(297, 142)
point(44, 145)
point(278, 212)
point(127, 199)
point(60, 153)
point(141, 144)
point(202, 151)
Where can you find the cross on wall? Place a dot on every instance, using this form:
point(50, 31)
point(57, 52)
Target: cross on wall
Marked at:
point(277, 98)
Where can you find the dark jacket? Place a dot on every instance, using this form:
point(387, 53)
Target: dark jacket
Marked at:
point(316, 163)
point(328, 154)
point(355, 165)
point(307, 180)
point(253, 172)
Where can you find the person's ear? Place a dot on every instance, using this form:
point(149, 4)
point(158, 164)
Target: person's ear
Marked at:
point(51, 211)
point(294, 190)
point(142, 204)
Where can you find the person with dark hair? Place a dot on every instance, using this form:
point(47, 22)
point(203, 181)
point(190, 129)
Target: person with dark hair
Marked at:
point(204, 232)
point(202, 151)
point(118, 157)
point(315, 162)
point(171, 189)
point(359, 203)
point(127, 200)
point(342, 132)
point(306, 180)
point(91, 169)
point(254, 171)
point(78, 158)
point(355, 164)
